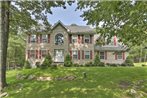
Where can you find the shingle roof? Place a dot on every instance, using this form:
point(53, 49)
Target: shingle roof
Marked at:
point(79, 29)
point(73, 28)
point(111, 48)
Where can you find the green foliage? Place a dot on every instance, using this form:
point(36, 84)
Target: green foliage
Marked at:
point(96, 60)
point(126, 19)
point(47, 61)
point(128, 62)
point(27, 65)
point(67, 61)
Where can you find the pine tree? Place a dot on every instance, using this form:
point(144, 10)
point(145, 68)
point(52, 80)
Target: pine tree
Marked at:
point(67, 61)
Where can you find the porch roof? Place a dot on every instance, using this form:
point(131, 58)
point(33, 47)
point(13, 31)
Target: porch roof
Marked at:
point(111, 48)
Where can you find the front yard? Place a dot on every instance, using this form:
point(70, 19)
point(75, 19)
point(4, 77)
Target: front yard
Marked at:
point(79, 82)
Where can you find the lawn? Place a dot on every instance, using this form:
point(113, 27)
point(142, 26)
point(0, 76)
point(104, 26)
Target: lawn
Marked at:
point(100, 82)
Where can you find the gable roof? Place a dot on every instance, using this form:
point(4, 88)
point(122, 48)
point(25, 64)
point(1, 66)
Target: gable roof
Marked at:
point(75, 29)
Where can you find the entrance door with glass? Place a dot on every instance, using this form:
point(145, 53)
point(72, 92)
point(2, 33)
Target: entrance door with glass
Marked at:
point(58, 55)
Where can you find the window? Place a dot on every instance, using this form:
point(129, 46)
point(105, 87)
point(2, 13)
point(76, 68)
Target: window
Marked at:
point(102, 55)
point(87, 38)
point(74, 38)
point(59, 39)
point(119, 55)
point(87, 54)
point(44, 38)
point(33, 38)
point(43, 52)
point(32, 53)
point(75, 54)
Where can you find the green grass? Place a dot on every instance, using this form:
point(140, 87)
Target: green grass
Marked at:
point(140, 64)
point(100, 83)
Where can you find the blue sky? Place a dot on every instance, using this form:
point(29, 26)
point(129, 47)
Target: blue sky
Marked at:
point(66, 16)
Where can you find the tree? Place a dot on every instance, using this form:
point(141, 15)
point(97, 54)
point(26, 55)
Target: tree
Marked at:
point(97, 60)
point(47, 61)
point(125, 19)
point(23, 15)
point(67, 61)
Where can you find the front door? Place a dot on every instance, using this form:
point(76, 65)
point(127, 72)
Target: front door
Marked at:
point(59, 55)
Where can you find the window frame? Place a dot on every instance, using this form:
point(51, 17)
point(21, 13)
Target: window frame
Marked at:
point(74, 37)
point(32, 52)
point(33, 38)
point(102, 57)
point(85, 55)
point(44, 40)
point(56, 39)
point(119, 54)
point(73, 55)
point(88, 38)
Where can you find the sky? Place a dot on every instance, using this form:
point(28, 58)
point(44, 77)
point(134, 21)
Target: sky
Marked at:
point(67, 16)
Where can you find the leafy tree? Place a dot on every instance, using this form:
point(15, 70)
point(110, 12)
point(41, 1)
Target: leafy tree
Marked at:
point(27, 65)
point(97, 60)
point(21, 16)
point(128, 62)
point(67, 61)
point(47, 61)
point(125, 19)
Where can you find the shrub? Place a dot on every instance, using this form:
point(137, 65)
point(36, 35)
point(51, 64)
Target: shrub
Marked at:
point(67, 61)
point(89, 64)
point(37, 64)
point(112, 65)
point(27, 65)
point(97, 60)
point(128, 62)
point(101, 64)
point(47, 61)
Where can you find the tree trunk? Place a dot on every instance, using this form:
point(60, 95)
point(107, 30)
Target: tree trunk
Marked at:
point(4, 35)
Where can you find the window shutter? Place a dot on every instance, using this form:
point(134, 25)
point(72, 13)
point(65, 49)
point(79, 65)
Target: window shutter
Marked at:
point(40, 54)
point(69, 39)
point(123, 55)
point(82, 54)
point(91, 54)
point(79, 40)
point(40, 38)
point(115, 55)
point(82, 39)
point(29, 38)
point(79, 54)
point(71, 54)
point(91, 37)
point(48, 38)
point(36, 54)
point(37, 40)
point(105, 55)
point(28, 54)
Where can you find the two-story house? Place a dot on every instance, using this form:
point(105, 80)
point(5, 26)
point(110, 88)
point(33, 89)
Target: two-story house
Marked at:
point(78, 41)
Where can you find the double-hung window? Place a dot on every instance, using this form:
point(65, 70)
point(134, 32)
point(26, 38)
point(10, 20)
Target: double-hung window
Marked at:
point(87, 39)
point(33, 38)
point(44, 53)
point(74, 38)
point(44, 38)
point(75, 54)
point(87, 54)
point(102, 55)
point(32, 53)
point(119, 55)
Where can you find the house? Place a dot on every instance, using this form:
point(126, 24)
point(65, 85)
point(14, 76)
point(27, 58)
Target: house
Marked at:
point(78, 41)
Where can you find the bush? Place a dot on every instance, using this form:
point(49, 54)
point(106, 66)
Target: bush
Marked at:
point(47, 61)
point(128, 62)
point(67, 61)
point(37, 64)
point(112, 65)
point(97, 60)
point(27, 65)
point(89, 64)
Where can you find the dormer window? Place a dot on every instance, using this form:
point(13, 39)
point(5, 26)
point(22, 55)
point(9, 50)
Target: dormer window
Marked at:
point(33, 38)
point(44, 38)
point(74, 38)
point(59, 39)
point(87, 39)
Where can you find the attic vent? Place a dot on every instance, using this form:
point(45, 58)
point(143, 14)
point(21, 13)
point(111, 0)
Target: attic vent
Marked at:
point(73, 24)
